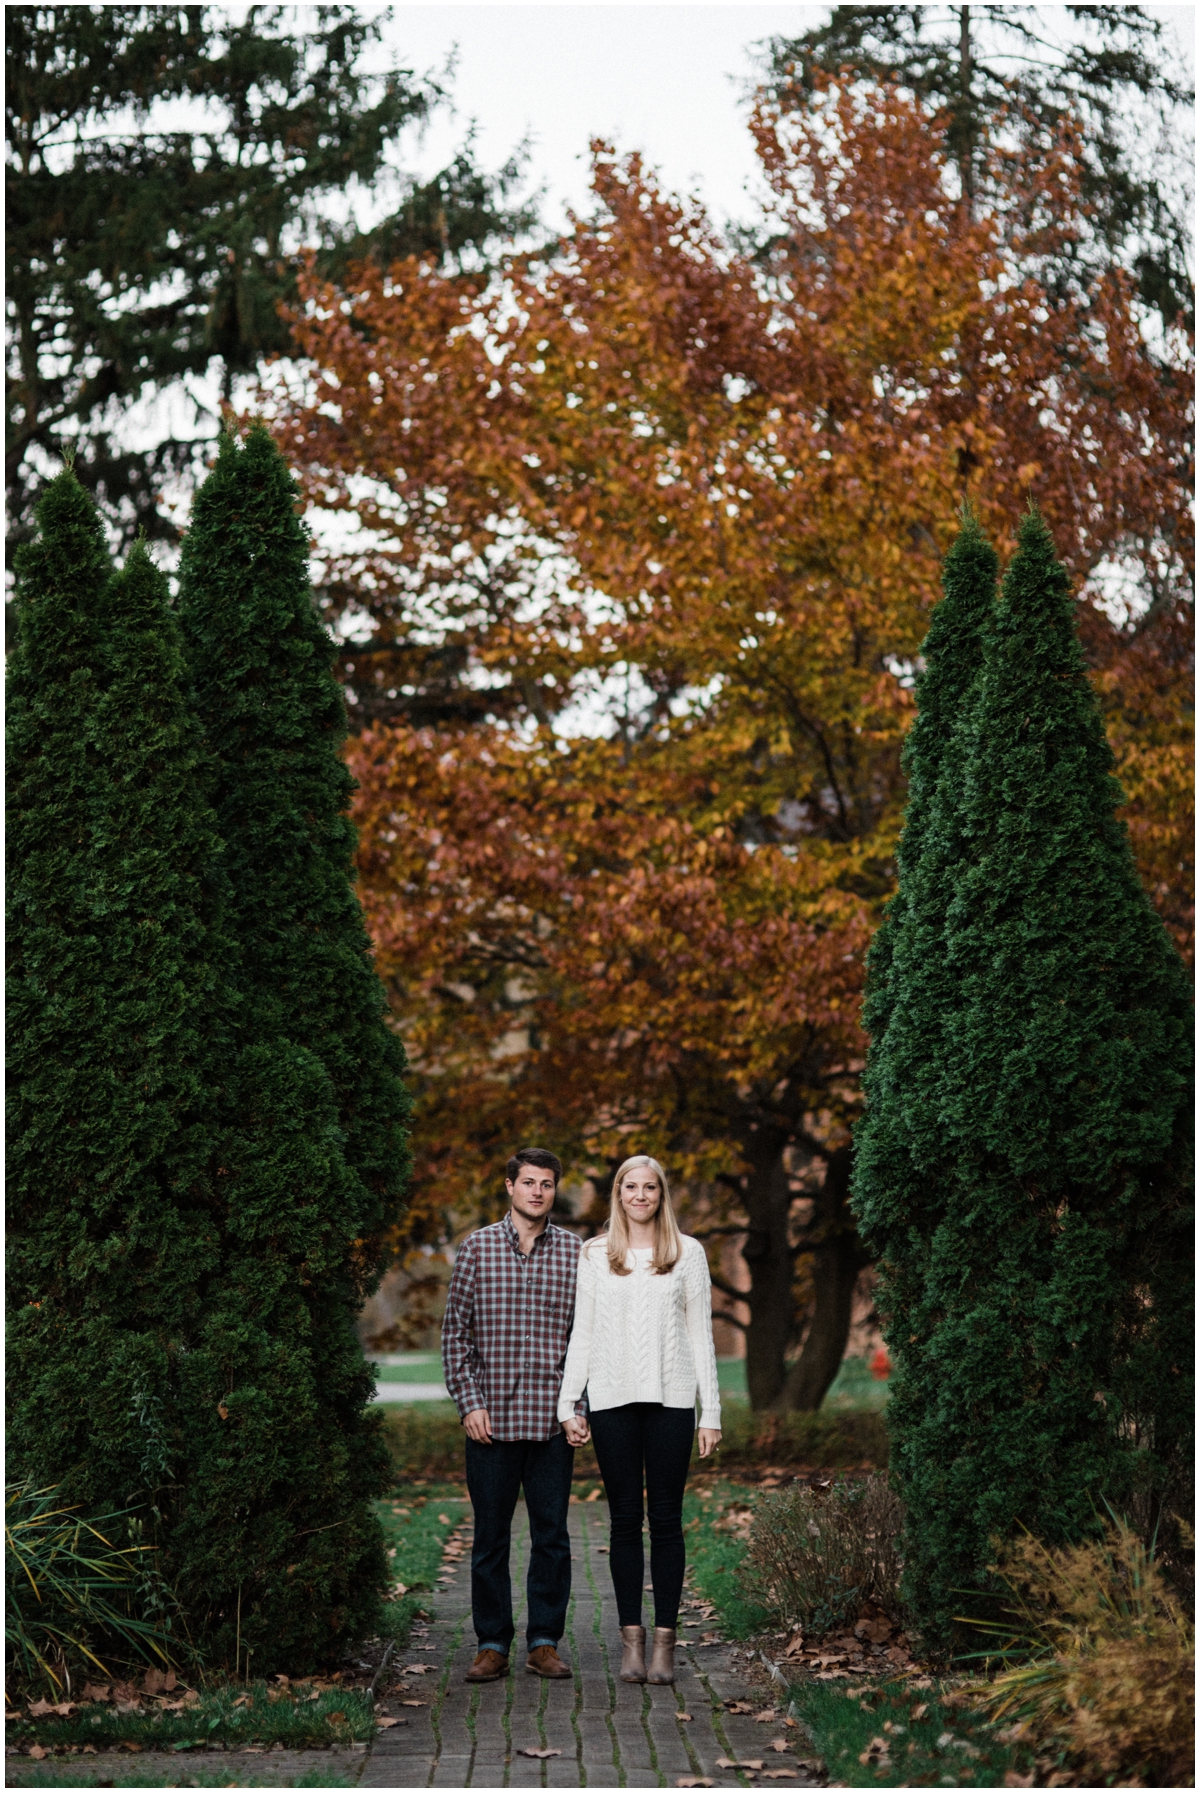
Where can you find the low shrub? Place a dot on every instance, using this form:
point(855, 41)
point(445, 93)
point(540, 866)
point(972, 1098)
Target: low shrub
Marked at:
point(819, 1554)
point(853, 1440)
point(1109, 1660)
point(426, 1439)
point(75, 1598)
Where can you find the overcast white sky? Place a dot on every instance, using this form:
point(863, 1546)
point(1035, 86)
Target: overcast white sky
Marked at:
point(666, 79)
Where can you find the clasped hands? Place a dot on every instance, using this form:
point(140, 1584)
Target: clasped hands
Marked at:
point(478, 1426)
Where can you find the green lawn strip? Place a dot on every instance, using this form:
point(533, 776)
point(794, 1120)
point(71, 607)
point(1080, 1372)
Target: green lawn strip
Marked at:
point(416, 1523)
point(942, 1747)
point(715, 1560)
point(194, 1774)
point(293, 1718)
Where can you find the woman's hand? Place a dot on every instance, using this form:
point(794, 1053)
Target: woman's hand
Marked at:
point(577, 1430)
point(710, 1438)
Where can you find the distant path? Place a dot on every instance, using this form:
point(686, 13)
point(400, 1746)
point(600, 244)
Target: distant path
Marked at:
point(610, 1734)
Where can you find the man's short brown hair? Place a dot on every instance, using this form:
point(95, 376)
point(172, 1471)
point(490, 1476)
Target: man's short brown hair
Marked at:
point(539, 1158)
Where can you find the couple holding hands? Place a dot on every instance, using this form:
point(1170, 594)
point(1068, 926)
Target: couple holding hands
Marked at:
point(547, 1342)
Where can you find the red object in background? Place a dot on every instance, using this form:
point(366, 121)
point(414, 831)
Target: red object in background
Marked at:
point(881, 1364)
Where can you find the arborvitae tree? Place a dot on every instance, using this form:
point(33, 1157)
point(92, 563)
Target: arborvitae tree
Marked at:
point(179, 1336)
point(112, 1017)
point(952, 653)
point(1029, 1102)
point(261, 669)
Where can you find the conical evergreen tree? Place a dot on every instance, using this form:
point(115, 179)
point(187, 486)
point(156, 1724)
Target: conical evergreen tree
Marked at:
point(111, 1014)
point(1032, 1094)
point(952, 653)
point(261, 666)
point(175, 1186)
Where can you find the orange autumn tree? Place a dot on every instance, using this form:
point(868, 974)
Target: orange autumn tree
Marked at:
point(710, 497)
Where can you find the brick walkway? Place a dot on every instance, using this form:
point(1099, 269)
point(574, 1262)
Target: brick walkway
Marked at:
point(610, 1734)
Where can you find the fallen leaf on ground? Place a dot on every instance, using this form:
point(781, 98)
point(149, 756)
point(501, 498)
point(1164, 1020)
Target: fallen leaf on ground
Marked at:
point(726, 1762)
point(739, 1706)
point(694, 1780)
point(243, 1699)
point(766, 1718)
point(921, 1710)
point(685, 1718)
point(385, 1724)
point(153, 1681)
point(1011, 1733)
point(779, 1774)
point(37, 1752)
point(336, 1718)
point(594, 1495)
point(791, 1724)
point(795, 1644)
point(417, 1668)
point(778, 1744)
point(39, 1708)
point(135, 1747)
point(540, 1754)
point(414, 1702)
point(95, 1693)
point(1013, 1779)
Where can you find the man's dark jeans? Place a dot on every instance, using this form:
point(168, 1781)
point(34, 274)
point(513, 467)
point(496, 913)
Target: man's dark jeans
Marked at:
point(495, 1476)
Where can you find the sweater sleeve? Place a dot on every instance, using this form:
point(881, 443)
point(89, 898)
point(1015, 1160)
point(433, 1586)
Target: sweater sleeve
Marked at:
point(697, 1315)
point(579, 1351)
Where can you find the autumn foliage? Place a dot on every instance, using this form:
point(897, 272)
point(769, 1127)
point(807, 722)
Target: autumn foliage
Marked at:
point(704, 497)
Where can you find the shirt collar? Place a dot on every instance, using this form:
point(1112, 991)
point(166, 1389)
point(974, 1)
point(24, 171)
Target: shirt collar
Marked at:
point(513, 1239)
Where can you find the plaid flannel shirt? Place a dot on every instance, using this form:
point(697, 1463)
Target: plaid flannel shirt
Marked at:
point(505, 1330)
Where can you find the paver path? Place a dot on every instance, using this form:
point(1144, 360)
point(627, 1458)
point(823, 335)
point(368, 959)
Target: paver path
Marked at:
point(611, 1734)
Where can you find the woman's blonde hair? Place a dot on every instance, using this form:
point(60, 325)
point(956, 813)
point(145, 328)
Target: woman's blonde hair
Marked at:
point(668, 1240)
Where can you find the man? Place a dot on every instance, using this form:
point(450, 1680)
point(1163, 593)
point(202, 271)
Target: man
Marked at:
point(504, 1341)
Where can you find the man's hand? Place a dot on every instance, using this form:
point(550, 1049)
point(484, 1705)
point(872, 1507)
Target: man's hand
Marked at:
point(577, 1430)
point(478, 1426)
point(710, 1438)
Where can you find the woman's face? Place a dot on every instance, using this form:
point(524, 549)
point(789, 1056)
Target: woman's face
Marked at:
point(640, 1194)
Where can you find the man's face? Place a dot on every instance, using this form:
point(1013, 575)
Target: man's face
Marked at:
point(532, 1194)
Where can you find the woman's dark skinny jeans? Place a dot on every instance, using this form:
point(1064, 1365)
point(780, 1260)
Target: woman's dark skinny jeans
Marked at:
point(645, 1438)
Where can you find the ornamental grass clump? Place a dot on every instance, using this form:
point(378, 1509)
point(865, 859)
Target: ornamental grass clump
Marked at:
point(818, 1555)
point(75, 1595)
point(1106, 1660)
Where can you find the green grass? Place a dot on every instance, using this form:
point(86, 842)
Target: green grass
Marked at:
point(335, 1716)
point(413, 1528)
point(191, 1774)
point(854, 1389)
point(715, 1558)
point(922, 1752)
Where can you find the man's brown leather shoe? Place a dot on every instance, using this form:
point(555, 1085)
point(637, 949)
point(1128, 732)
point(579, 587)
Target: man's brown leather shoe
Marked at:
point(546, 1662)
point(489, 1665)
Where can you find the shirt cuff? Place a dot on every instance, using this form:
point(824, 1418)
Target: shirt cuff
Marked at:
point(710, 1418)
point(568, 1409)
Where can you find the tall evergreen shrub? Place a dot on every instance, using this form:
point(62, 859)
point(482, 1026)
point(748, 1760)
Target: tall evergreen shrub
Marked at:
point(180, 1204)
point(261, 667)
point(1024, 1162)
point(114, 1018)
point(311, 1006)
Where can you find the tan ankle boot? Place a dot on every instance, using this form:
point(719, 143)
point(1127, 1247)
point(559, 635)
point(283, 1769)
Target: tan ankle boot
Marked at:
point(633, 1652)
point(662, 1659)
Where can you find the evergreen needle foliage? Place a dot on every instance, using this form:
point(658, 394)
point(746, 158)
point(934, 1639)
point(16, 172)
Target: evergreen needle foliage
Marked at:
point(183, 1267)
point(322, 1070)
point(113, 1023)
point(1023, 1167)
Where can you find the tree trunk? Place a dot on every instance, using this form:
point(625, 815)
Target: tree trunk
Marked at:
point(767, 1250)
point(839, 1258)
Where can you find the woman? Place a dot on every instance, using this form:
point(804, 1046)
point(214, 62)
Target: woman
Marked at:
point(642, 1346)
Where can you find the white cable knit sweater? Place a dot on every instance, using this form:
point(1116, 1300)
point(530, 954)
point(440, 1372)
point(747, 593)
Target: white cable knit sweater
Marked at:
point(642, 1337)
